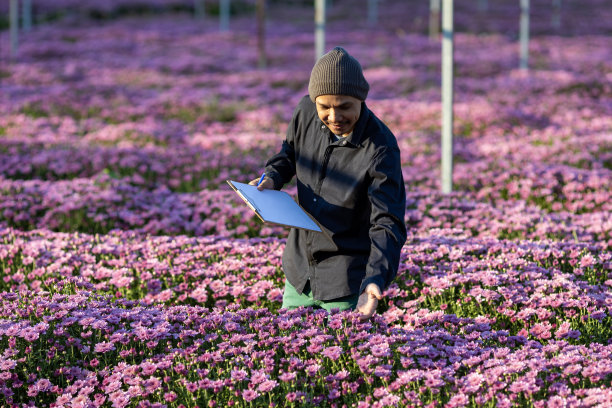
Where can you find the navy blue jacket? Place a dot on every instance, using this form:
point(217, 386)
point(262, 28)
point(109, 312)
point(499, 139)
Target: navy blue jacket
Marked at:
point(355, 190)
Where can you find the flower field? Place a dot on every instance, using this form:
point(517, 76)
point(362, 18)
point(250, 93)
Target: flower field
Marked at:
point(132, 276)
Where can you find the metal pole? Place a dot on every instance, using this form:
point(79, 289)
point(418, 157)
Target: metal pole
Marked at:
point(434, 19)
point(261, 32)
point(224, 15)
point(319, 28)
point(14, 26)
point(27, 15)
point(447, 96)
point(199, 7)
point(524, 35)
point(373, 12)
point(556, 15)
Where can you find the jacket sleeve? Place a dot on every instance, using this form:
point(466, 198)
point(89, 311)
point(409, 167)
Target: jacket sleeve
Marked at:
point(281, 167)
point(387, 197)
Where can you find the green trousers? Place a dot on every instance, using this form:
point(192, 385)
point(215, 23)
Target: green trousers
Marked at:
point(292, 299)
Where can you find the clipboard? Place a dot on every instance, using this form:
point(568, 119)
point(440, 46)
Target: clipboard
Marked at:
point(273, 206)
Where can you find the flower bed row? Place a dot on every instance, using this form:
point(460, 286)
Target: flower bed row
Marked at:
point(83, 349)
point(542, 291)
point(103, 204)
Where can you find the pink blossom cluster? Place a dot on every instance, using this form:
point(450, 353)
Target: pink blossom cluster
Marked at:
point(466, 276)
point(211, 271)
point(533, 161)
point(131, 275)
point(103, 203)
point(91, 351)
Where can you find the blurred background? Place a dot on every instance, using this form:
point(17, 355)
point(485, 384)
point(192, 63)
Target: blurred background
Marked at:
point(132, 114)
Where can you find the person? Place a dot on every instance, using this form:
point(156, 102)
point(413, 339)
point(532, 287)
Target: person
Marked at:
point(348, 173)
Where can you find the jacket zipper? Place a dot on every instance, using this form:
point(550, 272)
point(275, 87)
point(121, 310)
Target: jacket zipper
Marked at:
point(326, 157)
point(311, 260)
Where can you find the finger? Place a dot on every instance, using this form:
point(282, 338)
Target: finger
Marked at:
point(368, 309)
point(253, 182)
point(374, 295)
point(374, 291)
point(266, 184)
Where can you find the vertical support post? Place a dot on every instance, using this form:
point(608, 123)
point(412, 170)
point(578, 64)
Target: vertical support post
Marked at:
point(27, 15)
point(556, 14)
point(372, 12)
point(224, 15)
point(434, 19)
point(199, 8)
point(319, 28)
point(447, 96)
point(261, 32)
point(14, 26)
point(524, 35)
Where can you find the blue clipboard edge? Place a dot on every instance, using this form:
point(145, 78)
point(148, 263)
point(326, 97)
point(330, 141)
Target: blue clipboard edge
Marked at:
point(254, 208)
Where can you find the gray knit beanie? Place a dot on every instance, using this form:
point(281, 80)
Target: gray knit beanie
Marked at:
point(338, 73)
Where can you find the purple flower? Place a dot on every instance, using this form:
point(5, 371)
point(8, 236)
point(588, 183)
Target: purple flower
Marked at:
point(333, 394)
point(43, 385)
point(333, 352)
point(458, 400)
point(170, 396)
point(249, 395)
point(288, 376)
point(104, 347)
point(267, 385)
point(151, 384)
point(342, 375)
point(63, 399)
point(80, 401)
point(259, 377)
point(312, 369)
point(381, 350)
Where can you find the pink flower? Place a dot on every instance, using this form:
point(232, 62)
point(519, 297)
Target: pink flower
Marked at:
point(287, 377)
point(104, 347)
point(587, 261)
point(541, 330)
point(342, 375)
point(148, 368)
point(333, 352)
point(381, 350)
point(63, 399)
point(43, 385)
point(249, 395)
point(170, 396)
point(267, 385)
point(458, 400)
point(563, 330)
point(259, 377)
point(80, 401)
point(151, 384)
point(556, 401)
